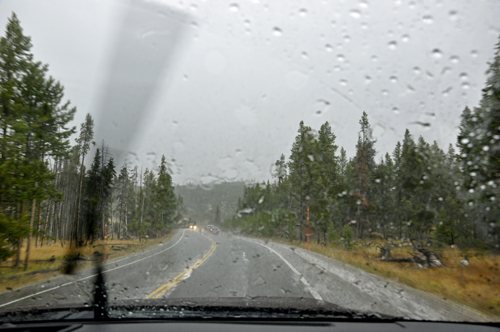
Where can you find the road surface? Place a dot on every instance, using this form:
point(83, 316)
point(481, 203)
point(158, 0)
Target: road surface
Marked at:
point(200, 264)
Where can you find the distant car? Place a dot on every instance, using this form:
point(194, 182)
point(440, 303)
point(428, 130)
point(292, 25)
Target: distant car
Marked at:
point(208, 227)
point(215, 229)
point(192, 227)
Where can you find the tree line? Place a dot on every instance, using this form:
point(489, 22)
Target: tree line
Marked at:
point(417, 192)
point(46, 192)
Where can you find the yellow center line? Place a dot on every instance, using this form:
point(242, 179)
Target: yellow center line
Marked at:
point(166, 287)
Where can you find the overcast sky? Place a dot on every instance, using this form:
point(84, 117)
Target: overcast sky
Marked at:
point(219, 87)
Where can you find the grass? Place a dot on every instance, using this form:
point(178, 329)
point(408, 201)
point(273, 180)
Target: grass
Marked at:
point(39, 268)
point(477, 286)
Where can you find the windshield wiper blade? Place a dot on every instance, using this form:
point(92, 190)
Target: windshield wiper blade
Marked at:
point(258, 308)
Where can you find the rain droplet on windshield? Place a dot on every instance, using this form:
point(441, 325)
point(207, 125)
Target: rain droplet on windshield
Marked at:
point(428, 19)
point(453, 15)
point(454, 59)
point(363, 4)
point(437, 54)
point(234, 7)
point(355, 13)
point(277, 32)
point(392, 45)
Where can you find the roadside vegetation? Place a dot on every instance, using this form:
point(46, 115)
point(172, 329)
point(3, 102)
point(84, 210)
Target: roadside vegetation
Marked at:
point(48, 197)
point(476, 286)
point(49, 261)
point(440, 205)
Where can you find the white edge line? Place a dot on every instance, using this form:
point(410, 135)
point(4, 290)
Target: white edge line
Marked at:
point(308, 286)
point(90, 276)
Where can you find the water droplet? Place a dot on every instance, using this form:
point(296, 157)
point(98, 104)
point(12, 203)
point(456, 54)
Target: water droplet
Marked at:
point(234, 7)
point(185, 77)
point(474, 53)
point(429, 75)
point(395, 110)
point(428, 19)
point(355, 13)
point(340, 58)
point(392, 45)
point(328, 48)
point(303, 12)
point(305, 55)
point(343, 82)
point(454, 59)
point(368, 79)
point(364, 26)
point(347, 38)
point(405, 38)
point(277, 32)
point(453, 15)
point(437, 54)
point(363, 4)
point(486, 148)
point(193, 7)
point(385, 92)
point(393, 79)
point(374, 58)
point(465, 85)
point(416, 70)
point(463, 76)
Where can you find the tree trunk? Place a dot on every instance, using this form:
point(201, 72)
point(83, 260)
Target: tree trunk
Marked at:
point(28, 241)
point(38, 219)
point(79, 201)
point(48, 226)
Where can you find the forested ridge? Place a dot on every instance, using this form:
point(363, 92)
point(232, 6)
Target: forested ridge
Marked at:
point(201, 202)
point(46, 192)
point(419, 192)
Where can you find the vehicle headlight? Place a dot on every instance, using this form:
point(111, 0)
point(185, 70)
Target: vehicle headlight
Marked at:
point(194, 227)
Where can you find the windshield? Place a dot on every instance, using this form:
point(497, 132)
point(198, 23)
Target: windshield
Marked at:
point(344, 153)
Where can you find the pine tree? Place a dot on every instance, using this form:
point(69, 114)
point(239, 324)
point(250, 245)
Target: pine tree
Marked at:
point(84, 141)
point(301, 170)
point(164, 198)
point(364, 165)
point(217, 217)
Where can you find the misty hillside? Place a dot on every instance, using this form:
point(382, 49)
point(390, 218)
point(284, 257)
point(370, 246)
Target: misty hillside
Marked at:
point(201, 203)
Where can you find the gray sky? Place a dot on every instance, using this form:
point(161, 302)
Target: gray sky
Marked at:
point(220, 87)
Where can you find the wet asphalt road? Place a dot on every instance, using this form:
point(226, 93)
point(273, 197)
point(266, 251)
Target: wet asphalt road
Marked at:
point(201, 264)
